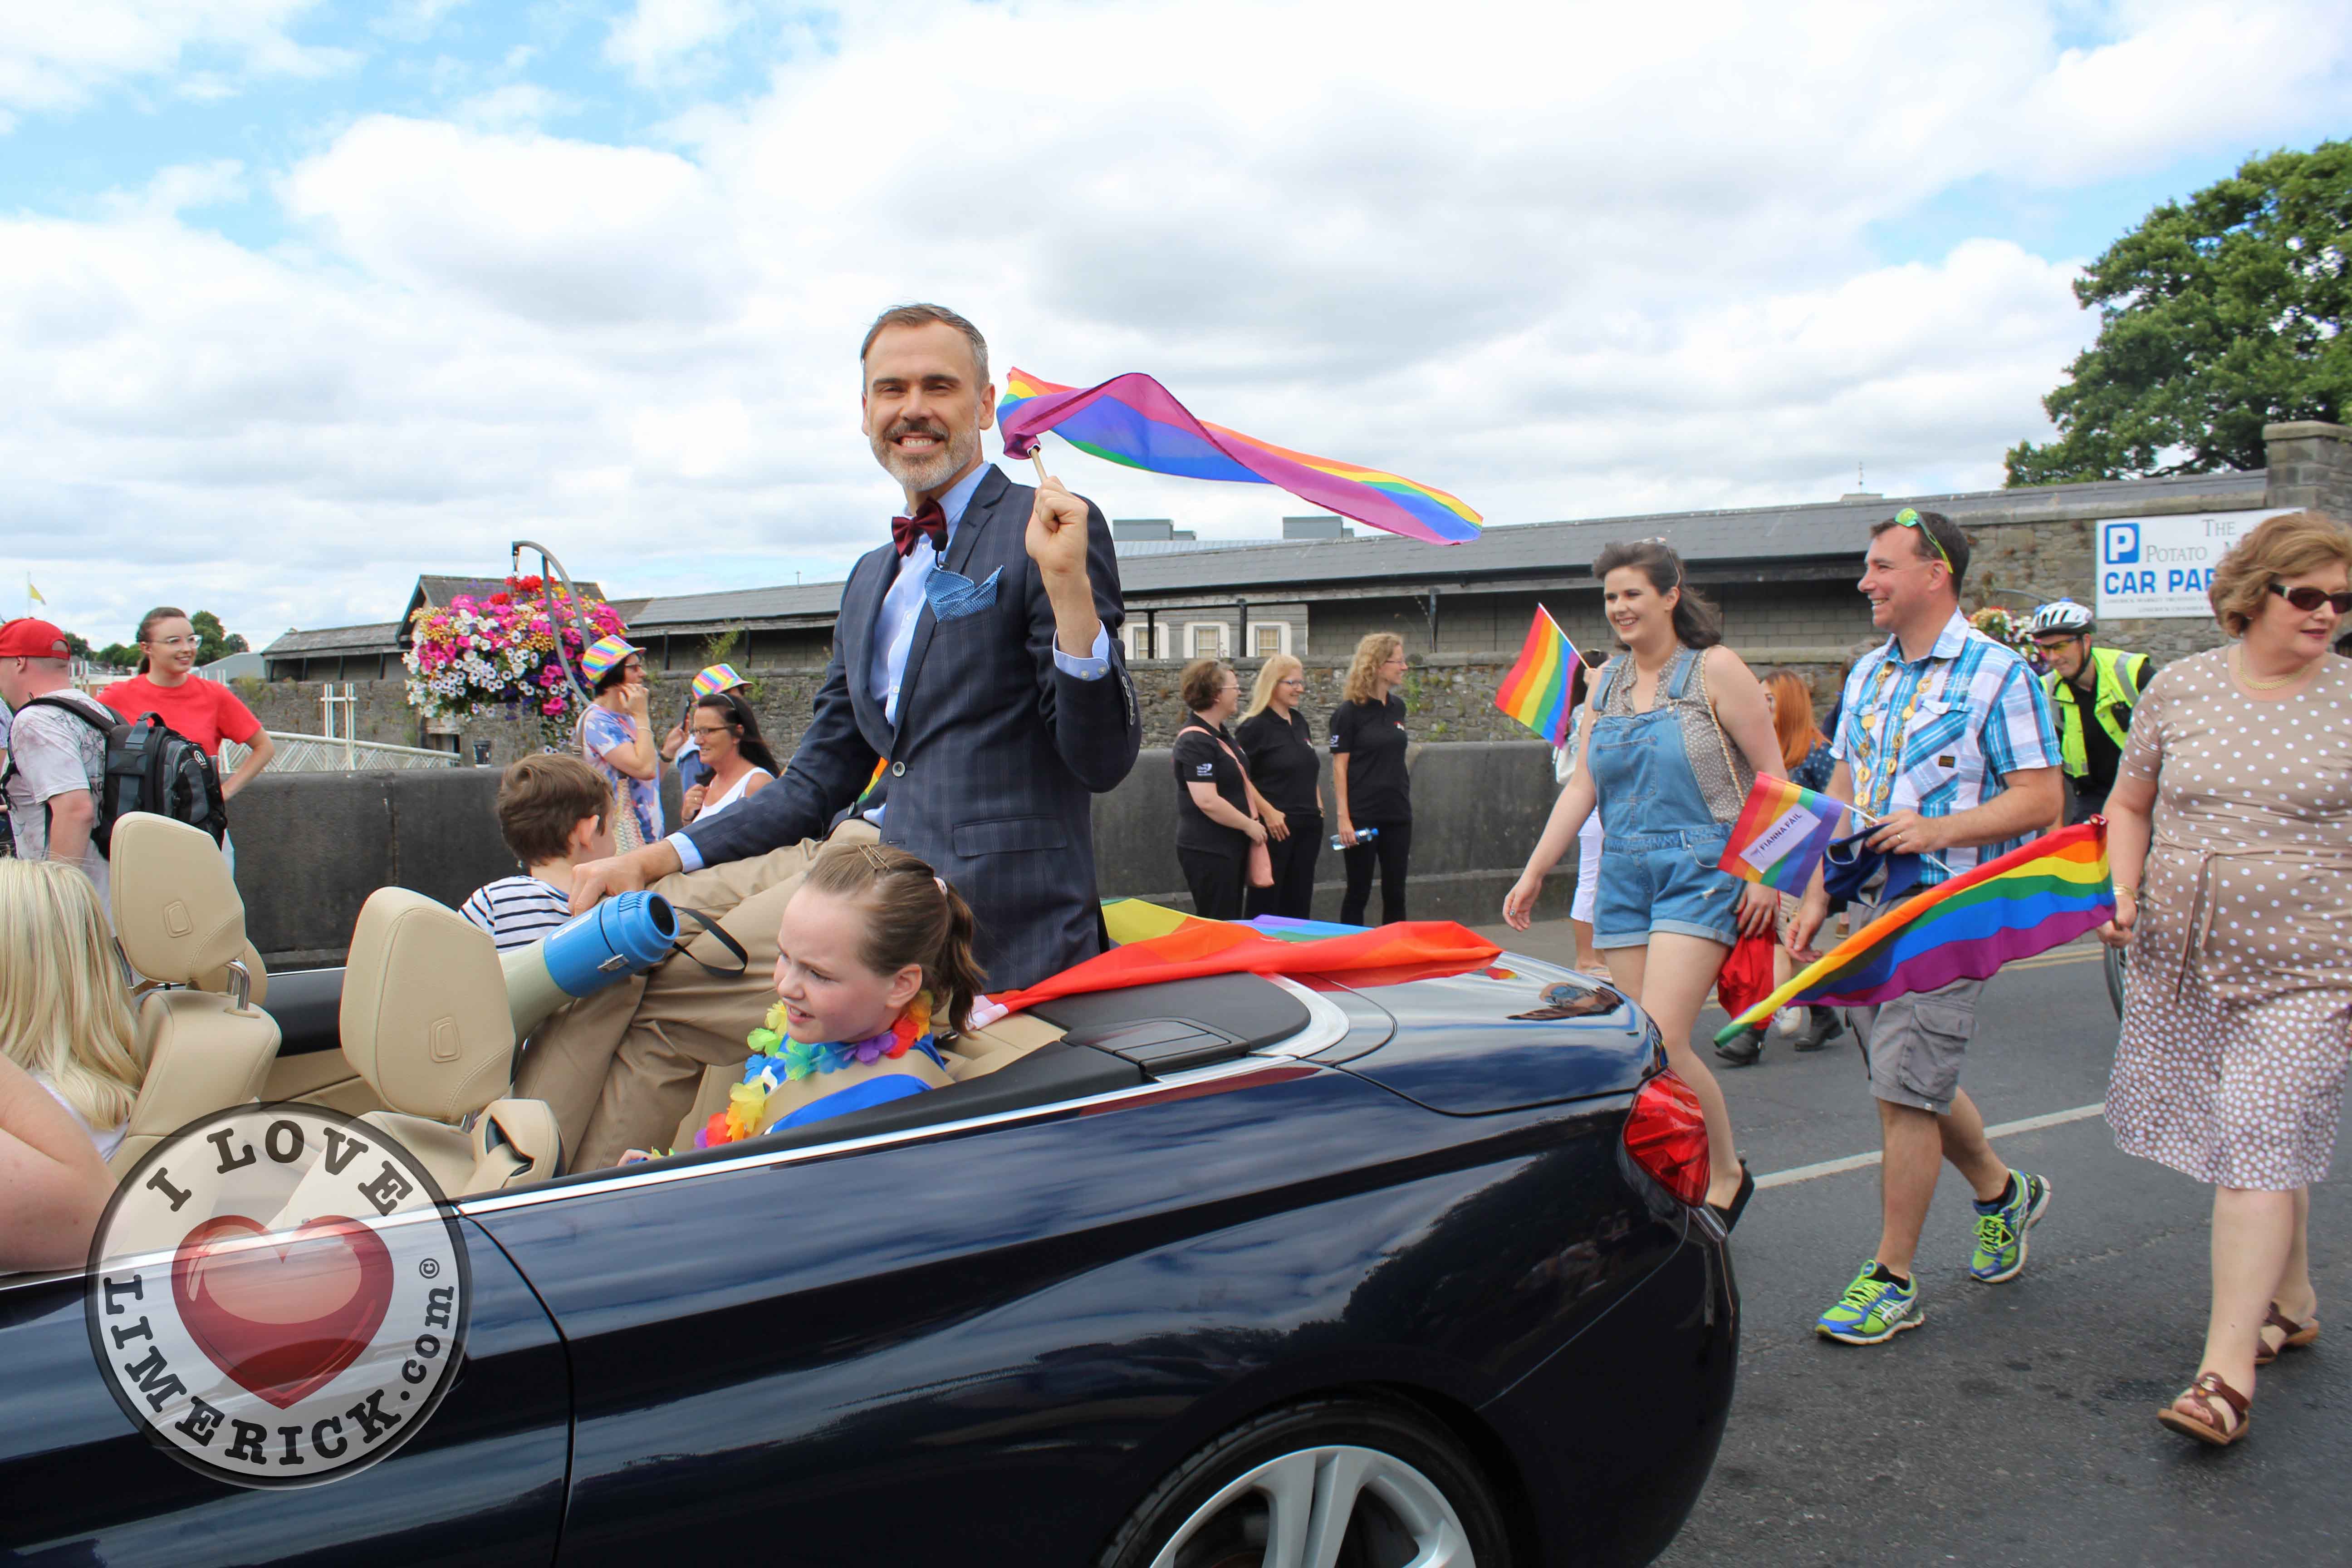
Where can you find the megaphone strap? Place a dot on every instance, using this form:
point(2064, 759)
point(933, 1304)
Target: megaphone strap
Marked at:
point(742, 958)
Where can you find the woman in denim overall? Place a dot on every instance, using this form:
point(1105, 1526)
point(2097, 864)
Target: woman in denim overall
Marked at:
point(1668, 730)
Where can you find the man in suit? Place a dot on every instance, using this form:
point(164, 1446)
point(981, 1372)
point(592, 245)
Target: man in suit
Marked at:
point(976, 653)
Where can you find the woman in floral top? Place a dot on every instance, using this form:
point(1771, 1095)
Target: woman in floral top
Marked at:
point(617, 739)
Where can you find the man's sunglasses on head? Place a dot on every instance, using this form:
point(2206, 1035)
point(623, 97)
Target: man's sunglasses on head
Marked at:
point(2308, 599)
point(1909, 518)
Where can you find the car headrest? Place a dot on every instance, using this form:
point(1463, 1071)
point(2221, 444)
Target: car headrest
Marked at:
point(424, 1018)
point(176, 909)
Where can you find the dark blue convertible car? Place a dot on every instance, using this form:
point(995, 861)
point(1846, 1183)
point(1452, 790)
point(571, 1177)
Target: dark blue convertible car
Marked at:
point(1404, 1270)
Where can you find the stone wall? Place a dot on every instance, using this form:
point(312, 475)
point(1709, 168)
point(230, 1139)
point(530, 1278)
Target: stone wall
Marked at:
point(1448, 697)
point(1803, 614)
point(2311, 466)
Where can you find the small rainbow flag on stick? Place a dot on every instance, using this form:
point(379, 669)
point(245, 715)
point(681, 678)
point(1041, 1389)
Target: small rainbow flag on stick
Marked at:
point(1780, 834)
point(2027, 901)
point(1535, 690)
point(1131, 419)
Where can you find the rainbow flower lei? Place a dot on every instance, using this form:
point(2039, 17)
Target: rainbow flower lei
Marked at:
point(777, 1057)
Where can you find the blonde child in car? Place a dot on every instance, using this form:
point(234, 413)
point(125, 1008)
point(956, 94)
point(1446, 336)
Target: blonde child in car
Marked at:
point(873, 963)
point(65, 1006)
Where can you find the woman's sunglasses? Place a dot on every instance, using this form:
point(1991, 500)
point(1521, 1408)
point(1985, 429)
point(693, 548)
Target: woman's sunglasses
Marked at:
point(2308, 599)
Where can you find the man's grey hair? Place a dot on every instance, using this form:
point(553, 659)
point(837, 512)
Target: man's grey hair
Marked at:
point(924, 316)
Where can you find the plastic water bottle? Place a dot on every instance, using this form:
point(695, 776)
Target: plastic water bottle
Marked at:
point(1363, 835)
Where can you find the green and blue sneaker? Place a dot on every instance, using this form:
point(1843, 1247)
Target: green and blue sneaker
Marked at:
point(2001, 1225)
point(1876, 1307)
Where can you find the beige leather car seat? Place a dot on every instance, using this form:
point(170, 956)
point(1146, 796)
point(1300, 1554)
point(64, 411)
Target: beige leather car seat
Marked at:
point(425, 1021)
point(180, 922)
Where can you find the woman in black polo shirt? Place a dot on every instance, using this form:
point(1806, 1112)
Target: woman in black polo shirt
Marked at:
point(1279, 747)
point(1367, 775)
point(1214, 828)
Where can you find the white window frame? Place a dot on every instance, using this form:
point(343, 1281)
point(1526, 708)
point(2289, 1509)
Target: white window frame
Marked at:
point(1193, 630)
point(1142, 640)
point(1282, 635)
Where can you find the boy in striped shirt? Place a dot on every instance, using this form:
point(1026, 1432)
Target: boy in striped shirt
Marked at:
point(554, 812)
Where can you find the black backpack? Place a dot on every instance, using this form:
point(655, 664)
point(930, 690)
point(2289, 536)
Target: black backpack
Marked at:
point(149, 767)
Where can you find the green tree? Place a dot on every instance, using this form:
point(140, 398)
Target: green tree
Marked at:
point(2215, 319)
point(119, 655)
point(213, 641)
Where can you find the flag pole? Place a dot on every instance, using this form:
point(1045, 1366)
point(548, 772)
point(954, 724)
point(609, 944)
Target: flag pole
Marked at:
point(1868, 819)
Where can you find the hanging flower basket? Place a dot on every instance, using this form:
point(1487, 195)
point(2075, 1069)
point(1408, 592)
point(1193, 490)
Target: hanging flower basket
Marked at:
point(497, 655)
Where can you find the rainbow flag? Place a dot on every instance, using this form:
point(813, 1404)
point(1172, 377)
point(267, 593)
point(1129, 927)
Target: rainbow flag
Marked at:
point(2027, 901)
point(1535, 690)
point(1159, 943)
point(1780, 834)
point(1131, 419)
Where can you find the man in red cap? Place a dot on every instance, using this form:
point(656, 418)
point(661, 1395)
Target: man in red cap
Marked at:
point(56, 750)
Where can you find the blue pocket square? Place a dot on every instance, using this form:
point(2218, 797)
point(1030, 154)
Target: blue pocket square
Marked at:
point(953, 594)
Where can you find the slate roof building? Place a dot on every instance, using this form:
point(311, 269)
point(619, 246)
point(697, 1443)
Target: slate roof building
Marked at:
point(1784, 575)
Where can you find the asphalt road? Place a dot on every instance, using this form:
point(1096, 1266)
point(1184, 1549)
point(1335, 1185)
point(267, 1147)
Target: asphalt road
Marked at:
point(2018, 1425)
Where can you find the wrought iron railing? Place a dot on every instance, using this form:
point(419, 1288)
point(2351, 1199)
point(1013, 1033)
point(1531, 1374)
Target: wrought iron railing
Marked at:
point(329, 754)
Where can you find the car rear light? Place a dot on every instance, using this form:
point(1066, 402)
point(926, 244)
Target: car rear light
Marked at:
point(1666, 1136)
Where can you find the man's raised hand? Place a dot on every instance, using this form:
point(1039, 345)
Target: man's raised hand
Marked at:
point(1057, 539)
point(1057, 542)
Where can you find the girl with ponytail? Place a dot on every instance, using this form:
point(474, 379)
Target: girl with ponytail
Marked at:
point(874, 965)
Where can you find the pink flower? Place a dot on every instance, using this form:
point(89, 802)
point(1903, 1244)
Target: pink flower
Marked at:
point(553, 706)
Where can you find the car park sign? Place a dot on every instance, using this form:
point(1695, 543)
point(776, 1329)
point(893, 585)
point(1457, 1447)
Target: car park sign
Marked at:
point(2156, 568)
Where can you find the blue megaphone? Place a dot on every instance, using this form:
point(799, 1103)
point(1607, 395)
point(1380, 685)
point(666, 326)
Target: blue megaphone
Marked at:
point(627, 934)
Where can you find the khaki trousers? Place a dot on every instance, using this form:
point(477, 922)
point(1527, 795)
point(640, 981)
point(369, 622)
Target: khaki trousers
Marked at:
point(620, 1069)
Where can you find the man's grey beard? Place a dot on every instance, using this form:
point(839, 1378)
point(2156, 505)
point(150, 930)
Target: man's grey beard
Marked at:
point(917, 474)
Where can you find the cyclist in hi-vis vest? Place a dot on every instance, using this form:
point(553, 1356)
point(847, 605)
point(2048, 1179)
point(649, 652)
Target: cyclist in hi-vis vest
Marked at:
point(2106, 681)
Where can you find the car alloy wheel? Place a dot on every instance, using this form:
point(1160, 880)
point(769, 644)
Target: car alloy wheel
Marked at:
point(1334, 1484)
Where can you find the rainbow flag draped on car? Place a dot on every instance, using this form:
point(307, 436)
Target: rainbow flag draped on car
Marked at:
point(1159, 943)
point(1535, 692)
point(1132, 419)
point(2026, 901)
point(1781, 834)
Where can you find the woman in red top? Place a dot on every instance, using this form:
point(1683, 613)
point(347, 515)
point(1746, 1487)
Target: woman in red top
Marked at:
point(205, 711)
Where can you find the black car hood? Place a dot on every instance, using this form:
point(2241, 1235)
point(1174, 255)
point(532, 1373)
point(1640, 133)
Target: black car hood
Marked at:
point(1517, 1033)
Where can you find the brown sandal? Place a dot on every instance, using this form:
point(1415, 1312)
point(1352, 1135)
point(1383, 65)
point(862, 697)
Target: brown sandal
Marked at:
point(2297, 1335)
point(2208, 1427)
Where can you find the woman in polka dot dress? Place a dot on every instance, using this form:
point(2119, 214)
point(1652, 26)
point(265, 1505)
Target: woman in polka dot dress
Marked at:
point(2239, 1018)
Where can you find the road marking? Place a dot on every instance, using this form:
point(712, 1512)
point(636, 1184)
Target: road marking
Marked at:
point(1864, 1162)
point(2050, 961)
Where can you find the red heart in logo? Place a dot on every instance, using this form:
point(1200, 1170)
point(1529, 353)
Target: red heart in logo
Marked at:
point(282, 1317)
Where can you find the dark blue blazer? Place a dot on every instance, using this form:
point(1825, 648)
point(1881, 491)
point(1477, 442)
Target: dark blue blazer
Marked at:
point(996, 755)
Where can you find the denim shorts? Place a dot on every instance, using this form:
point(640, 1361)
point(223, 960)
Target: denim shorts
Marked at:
point(1651, 882)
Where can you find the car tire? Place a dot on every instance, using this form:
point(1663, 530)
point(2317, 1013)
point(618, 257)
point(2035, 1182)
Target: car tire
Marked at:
point(1411, 1494)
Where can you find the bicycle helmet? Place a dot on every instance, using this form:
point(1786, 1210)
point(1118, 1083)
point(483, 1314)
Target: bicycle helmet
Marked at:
point(2062, 618)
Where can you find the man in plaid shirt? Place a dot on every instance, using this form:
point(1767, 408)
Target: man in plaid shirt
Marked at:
point(1944, 737)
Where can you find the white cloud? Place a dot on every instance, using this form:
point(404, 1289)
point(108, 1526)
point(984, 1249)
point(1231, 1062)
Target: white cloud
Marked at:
point(555, 231)
point(516, 106)
point(1562, 263)
point(665, 42)
point(414, 21)
point(59, 57)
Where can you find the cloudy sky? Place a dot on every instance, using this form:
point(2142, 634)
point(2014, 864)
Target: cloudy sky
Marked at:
point(299, 299)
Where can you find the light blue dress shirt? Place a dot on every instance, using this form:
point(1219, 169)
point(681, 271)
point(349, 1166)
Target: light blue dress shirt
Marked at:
point(894, 632)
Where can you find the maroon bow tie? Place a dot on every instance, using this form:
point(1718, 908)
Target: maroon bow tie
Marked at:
point(929, 522)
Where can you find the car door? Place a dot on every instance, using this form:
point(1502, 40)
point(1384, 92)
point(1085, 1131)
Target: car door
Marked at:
point(950, 1345)
point(480, 1483)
